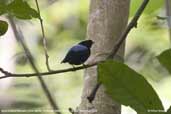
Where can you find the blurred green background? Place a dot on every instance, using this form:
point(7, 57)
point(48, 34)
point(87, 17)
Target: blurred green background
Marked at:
point(65, 24)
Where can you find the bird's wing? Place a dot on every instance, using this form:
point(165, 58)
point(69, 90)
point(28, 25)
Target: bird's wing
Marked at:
point(74, 51)
point(67, 56)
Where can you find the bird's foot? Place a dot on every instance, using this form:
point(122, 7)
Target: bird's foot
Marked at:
point(84, 65)
point(73, 68)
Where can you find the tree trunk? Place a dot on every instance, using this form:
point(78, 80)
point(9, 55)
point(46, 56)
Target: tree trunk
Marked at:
point(107, 20)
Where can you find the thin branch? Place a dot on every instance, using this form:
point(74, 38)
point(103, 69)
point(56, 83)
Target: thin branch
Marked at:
point(93, 94)
point(44, 38)
point(168, 15)
point(71, 111)
point(161, 17)
point(44, 73)
point(19, 36)
point(130, 26)
point(4, 72)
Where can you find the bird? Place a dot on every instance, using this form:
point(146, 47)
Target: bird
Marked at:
point(79, 53)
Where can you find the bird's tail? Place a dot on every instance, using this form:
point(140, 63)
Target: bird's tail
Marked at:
point(63, 61)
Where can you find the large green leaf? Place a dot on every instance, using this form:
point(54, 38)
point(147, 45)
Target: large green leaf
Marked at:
point(165, 59)
point(3, 27)
point(2, 7)
point(169, 111)
point(21, 10)
point(152, 6)
point(128, 87)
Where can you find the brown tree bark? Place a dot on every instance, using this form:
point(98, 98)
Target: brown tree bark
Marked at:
point(107, 20)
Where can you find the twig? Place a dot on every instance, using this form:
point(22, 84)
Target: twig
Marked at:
point(161, 17)
point(168, 15)
point(44, 38)
point(93, 94)
point(131, 25)
point(5, 72)
point(71, 111)
point(45, 73)
point(20, 38)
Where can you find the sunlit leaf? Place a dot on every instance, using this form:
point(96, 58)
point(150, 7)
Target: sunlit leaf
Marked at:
point(128, 87)
point(22, 10)
point(165, 59)
point(3, 27)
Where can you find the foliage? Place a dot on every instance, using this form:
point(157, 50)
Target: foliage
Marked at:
point(165, 59)
point(19, 9)
point(169, 111)
point(128, 87)
point(2, 7)
point(3, 27)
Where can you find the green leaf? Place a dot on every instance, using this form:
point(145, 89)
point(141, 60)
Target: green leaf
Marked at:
point(127, 87)
point(169, 111)
point(165, 59)
point(152, 6)
point(3, 27)
point(22, 10)
point(3, 7)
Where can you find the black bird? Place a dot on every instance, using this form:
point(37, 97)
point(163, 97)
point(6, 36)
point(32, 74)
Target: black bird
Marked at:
point(79, 53)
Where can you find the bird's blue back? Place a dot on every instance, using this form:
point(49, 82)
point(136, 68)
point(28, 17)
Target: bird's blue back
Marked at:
point(78, 48)
point(78, 54)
